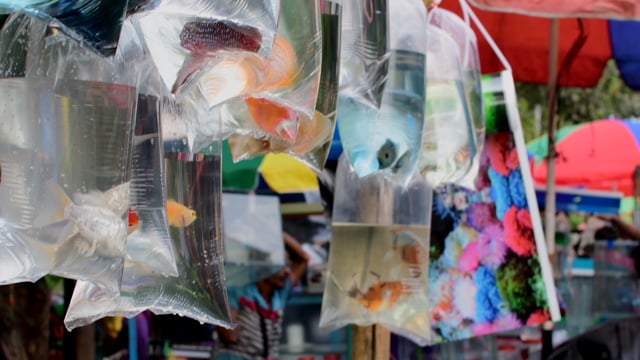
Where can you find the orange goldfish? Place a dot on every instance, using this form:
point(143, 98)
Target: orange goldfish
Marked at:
point(239, 73)
point(179, 215)
point(379, 296)
point(310, 134)
point(273, 118)
point(133, 221)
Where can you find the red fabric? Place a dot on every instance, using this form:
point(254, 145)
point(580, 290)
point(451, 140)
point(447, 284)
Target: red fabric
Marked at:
point(266, 313)
point(601, 155)
point(621, 9)
point(524, 40)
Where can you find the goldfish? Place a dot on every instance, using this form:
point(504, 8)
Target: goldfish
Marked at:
point(239, 73)
point(379, 296)
point(204, 39)
point(179, 215)
point(94, 223)
point(133, 221)
point(238, 70)
point(273, 118)
point(311, 132)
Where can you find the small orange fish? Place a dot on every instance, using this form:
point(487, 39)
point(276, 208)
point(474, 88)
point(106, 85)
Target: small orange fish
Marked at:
point(282, 65)
point(379, 296)
point(133, 221)
point(312, 132)
point(273, 118)
point(179, 215)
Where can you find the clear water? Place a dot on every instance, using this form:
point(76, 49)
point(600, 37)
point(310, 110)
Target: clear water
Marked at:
point(150, 243)
point(363, 256)
point(449, 144)
point(387, 139)
point(199, 290)
point(76, 135)
point(253, 243)
point(327, 103)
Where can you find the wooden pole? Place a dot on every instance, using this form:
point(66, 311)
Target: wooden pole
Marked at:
point(376, 207)
point(550, 199)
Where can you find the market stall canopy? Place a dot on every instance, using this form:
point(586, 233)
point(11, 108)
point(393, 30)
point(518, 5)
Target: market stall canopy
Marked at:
point(525, 42)
point(598, 155)
point(610, 9)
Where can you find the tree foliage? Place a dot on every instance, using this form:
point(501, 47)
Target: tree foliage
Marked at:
point(609, 98)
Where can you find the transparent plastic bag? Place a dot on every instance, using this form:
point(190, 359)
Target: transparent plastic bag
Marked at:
point(387, 138)
point(448, 145)
point(253, 244)
point(379, 255)
point(193, 191)
point(284, 118)
point(454, 100)
point(327, 103)
point(97, 22)
point(67, 140)
point(182, 36)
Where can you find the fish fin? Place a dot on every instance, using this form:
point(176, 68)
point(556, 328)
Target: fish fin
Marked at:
point(52, 208)
point(68, 231)
point(84, 246)
point(118, 198)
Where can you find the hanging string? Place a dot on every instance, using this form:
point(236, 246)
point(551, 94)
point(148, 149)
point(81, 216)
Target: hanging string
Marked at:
point(467, 9)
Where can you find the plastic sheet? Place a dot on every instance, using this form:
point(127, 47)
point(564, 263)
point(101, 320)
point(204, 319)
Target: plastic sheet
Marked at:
point(455, 118)
point(183, 35)
point(97, 22)
point(283, 118)
point(378, 262)
point(385, 136)
point(252, 237)
point(66, 147)
point(193, 191)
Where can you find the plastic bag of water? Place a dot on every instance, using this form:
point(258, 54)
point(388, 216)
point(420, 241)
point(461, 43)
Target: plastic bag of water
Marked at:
point(379, 255)
point(66, 151)
point(253, 244)
point(381, 124)
point(454, 126)
point(183, 35)
point(192, 183)
point(281, 114)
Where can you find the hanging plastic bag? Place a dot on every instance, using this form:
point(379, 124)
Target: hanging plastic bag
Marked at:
point(327, 103)
point(283, 118)
point(449, 142)
point(67, 152)
point(193, 191)
point(97, 22)
point(490, 272)
point(454, 99)
point(252, 238)
point(378, 261)
point(182, 36)
point(385, 137)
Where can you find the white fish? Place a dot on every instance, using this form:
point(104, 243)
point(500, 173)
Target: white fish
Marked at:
point(95, 221)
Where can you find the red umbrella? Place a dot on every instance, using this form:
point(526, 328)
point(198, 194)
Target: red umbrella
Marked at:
point(600, 155)
point(610, 9)
point(524, 40)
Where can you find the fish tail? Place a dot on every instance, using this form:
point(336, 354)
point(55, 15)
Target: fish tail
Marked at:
point(53, 205)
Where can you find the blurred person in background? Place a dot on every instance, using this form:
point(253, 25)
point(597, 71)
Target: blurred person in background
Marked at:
point(258, 309)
